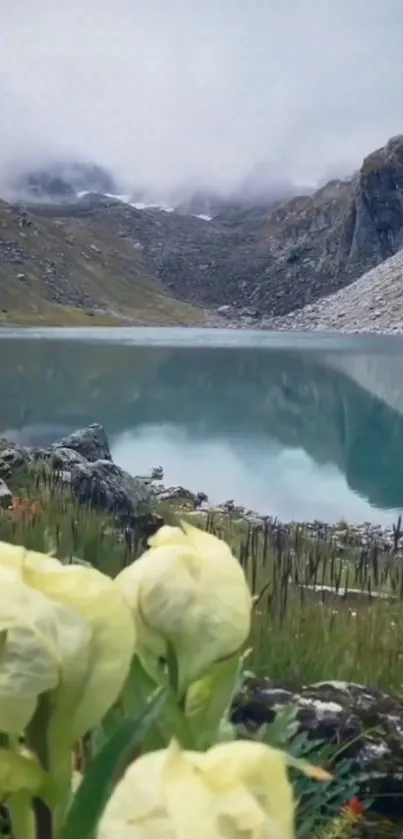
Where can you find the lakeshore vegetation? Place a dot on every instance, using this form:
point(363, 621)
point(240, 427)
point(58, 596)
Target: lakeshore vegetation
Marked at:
point(305, 607)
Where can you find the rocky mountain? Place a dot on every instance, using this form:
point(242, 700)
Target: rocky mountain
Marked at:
point(260, 258)
point(270, 259)
point(57, 272)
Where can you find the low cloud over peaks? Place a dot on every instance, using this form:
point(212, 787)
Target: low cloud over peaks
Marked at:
point(182, 95)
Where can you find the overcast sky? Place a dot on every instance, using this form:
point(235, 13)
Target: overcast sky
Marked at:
point(167, 92)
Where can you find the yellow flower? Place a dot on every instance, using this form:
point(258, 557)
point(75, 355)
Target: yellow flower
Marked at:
point(189, 590)
point(97, 605)
point(236, 790)
point(42, 643)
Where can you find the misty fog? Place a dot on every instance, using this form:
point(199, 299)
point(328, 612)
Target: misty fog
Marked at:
point(177, 95)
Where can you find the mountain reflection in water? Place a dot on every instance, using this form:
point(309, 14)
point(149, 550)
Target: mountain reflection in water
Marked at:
point(302, 433)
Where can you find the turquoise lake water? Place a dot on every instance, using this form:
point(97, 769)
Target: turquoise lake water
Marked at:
point(299, 426)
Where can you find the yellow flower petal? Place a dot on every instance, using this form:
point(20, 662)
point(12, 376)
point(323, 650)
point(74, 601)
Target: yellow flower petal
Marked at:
point(191, 809)
point(167, 535)
point(94, 596)
point(234, 791)
point(43, 643)
point(14, 556)
point(261, 770)
point(188, 590)
point(206, 543)
point(136, 808)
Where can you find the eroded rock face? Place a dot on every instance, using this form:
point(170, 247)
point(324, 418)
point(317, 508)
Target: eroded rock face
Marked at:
point(367, 722)
point(373, 227)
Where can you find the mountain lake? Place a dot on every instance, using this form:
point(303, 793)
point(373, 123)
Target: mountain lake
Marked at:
point(300, 426)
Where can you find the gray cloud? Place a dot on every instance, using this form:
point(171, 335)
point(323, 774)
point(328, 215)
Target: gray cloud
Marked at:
point(174, 92)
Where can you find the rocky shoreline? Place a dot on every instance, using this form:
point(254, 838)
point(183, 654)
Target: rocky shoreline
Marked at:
point(83, 462)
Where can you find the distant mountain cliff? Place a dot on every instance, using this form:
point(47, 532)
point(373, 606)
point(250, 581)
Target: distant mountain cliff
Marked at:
point(270, 258)
point(258, 259)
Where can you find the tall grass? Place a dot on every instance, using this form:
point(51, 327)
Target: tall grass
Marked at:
point(323, 611)
point(46, 517)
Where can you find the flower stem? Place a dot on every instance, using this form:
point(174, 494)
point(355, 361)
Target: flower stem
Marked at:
point(21, 814)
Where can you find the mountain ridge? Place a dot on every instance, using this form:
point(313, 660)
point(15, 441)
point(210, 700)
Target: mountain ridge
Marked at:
point(252, 263)
point(52, 272)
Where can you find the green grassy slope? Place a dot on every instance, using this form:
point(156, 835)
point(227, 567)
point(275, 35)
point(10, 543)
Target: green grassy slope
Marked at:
point(57, 272)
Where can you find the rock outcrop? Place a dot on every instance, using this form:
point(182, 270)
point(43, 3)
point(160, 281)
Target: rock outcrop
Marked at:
point(82, 462)
point(91, 443)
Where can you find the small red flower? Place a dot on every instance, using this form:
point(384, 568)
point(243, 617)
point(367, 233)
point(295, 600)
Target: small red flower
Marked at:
point(355, 807)
point(25, 510)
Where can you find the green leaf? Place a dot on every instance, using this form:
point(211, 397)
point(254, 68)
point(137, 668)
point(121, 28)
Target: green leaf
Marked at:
point(102, 772)
point(110, 723)
point(226, 732)
point(283, 728)
point(320, 804)
point(208, 700)
point(172, 721)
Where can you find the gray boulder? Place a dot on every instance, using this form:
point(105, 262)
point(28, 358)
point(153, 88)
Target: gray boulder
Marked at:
point(366, 725)
point(179, 495)
point(12, 458)
point(106, 486)
point(226, 311)
point(95, 480)
point(83, 461)
point(62, 459)
point(91, 443)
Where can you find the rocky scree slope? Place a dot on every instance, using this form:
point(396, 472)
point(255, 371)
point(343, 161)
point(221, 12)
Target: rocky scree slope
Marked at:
point(271, 261)
point(67, 272)
point(372, 304)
